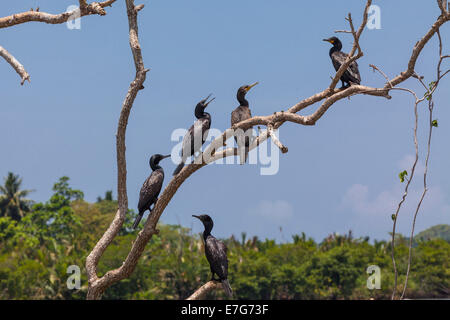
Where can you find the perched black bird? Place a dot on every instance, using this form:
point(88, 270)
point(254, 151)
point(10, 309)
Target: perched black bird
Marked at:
point(351, 75)
point(197, 133)
point(216, 254)
point(151, 187)
point(242, 113)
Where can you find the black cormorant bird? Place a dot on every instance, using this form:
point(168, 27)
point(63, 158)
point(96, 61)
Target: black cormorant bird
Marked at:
point(216, 254)
point(197, 133)
point(242, 113)
point(151, 187)
point(351, 75)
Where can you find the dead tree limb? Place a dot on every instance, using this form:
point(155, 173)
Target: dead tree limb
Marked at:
point(201, 292)
point(98, 285)
point(28, 16)
point(20, 69)
point(35, 15)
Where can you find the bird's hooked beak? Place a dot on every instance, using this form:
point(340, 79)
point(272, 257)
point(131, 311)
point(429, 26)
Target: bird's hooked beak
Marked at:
point(208, 102)
point(164, 157)
point(329, 40)
point(251, 86)
point(196, 217)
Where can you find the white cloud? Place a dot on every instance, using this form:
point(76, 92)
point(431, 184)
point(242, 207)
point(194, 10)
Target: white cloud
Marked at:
point(357, 198)
point(361, 201)
point(271, 219)
point(275, 211)
point(371, 212)
point(407, 162)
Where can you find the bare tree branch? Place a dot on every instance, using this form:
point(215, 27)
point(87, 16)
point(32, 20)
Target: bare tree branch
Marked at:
point(356, 46)
point(28, 16)
point(34, 15)
point(443, 5)
point(429, 96)
point(98, 285)
point(425, 189)
point(405, 194)
point(201, 292)
point(275, 140)
point(15, 64)
point(418, 49)
point(375, 68)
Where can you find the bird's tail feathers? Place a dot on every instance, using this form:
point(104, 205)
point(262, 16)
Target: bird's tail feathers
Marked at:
point(178, 169)
point(246, 154)
point(227, 288)
point(242, 149)
point(137, 220)
point(243, 158)
point(248, 142)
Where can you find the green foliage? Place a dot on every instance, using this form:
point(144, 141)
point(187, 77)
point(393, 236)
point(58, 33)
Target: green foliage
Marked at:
point(428, 94)
point(108, 196)
point(432, 269)
point(431, 85)
point(36, 252)
point(440, 231)
point(402, 175)
point(434, 123)
point(12, 200)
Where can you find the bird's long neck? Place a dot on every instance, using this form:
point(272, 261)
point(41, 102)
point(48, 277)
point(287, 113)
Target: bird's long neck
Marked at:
point(207, 232)
point(156, 166)
point(241, 98)
point(206, 115)
point(335, 48)
point(200, 112)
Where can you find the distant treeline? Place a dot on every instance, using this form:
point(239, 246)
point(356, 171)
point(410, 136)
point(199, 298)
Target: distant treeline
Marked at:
point(37, 245)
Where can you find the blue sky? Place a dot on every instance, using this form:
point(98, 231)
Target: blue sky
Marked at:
point(338, 175)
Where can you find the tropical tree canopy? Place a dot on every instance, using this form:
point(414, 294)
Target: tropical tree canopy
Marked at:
point(13, 203)
point(37, 252)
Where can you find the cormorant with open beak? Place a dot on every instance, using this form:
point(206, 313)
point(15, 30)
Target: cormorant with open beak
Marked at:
point(197, 133)
point(216, 254)
point(242, 113)
point(351, 75)
point(151, 187)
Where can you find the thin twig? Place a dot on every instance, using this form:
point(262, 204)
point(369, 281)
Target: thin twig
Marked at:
point(429, 95)
point(413, 169)
point(375, 68)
